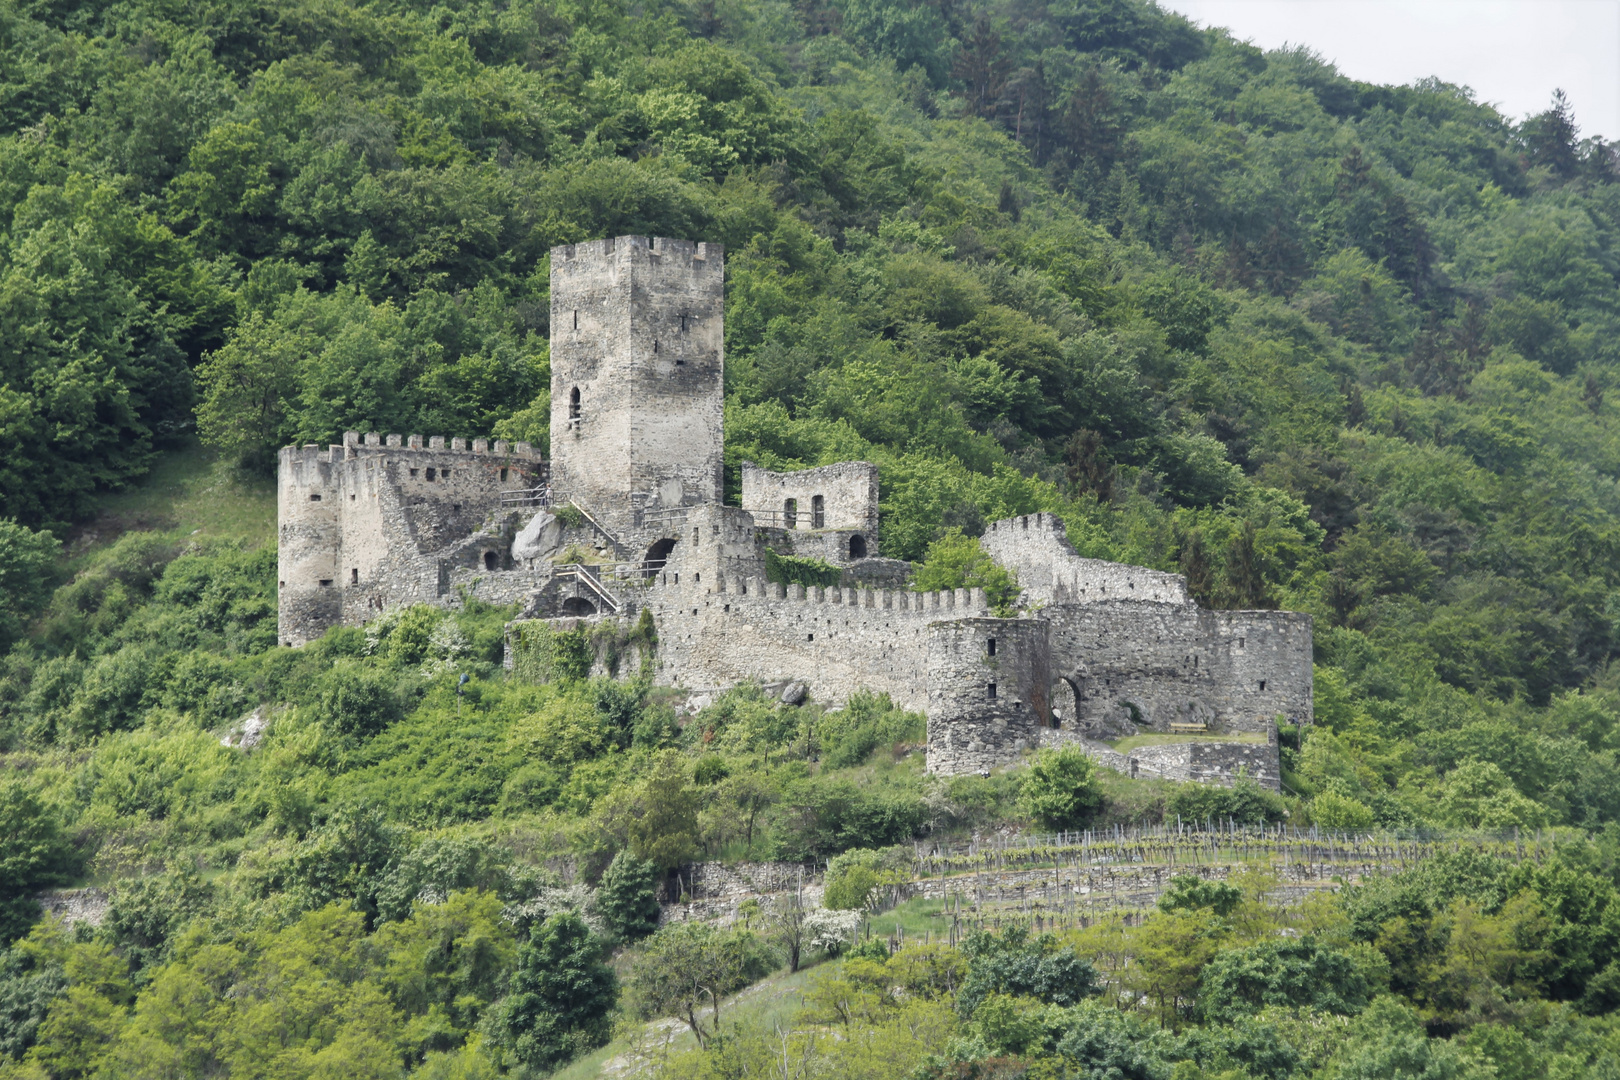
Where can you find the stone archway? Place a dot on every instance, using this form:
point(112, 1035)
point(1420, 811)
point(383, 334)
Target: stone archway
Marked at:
point(657, 556)
point(1066, 698)
point(578, 606)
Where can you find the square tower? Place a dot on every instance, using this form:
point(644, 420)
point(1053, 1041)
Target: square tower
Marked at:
point(637, 361)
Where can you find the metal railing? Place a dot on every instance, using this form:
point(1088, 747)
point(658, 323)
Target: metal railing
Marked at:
point(796, 519)
point(590, 576)
point(540, 496)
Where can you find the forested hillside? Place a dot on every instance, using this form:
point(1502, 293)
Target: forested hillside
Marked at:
point(1346, 349)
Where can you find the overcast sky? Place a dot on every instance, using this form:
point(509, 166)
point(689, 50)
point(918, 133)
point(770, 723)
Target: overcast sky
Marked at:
point(1513, 53)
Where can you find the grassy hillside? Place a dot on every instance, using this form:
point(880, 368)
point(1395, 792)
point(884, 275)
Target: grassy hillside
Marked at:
point(1342, 348)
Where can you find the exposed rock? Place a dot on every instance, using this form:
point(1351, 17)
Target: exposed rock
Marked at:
point(794, 693)
point(541, 538)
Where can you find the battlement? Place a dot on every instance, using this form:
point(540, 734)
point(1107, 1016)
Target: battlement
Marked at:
point(355, 445)
point(947, 603)
point(701, 256)
point(1051, 572)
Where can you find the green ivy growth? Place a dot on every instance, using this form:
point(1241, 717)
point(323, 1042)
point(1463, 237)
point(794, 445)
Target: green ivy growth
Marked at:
point(796, 570)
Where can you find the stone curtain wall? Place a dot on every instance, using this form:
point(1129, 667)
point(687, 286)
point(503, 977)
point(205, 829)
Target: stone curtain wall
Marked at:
point(723, 630)
point(1205, 762)
point(1143, 665)
point(637, 327)
point(1037, 547)
point(365, 519)
point(988, 686)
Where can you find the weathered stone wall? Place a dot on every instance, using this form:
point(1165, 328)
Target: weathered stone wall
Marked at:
point(849, 493)
point(1135, 665)
point(383, 521)
point(1037, 547)
point(722, 630)
point(637, 332)
point(988, 681)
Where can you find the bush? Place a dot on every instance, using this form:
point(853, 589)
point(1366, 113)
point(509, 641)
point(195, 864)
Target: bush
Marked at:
point(869, 721)
point(1188, 893)
point(34, 854)
point(1014, 964)
point(561, 997)
point(628, 897)
point(1245, 802)
point(821, 817)
point(357, 701)
point(1060, 789)
point(1294, 974)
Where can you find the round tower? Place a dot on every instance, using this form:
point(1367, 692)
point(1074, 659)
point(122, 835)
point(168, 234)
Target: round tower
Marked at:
point(988, 686)
point(309, 540)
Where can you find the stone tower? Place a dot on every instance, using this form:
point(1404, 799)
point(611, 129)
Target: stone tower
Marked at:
point(637, 354)
point(989, 691)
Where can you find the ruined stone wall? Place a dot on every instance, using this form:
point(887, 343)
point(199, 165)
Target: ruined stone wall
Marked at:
point(1133, 665)
point(723, 630)
point(361, 525)
point(1037, 547)
point(988, 685)
point(848, 490)
point(637, 330)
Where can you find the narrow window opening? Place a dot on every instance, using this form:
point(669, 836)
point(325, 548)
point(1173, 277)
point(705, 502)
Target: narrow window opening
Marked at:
point(413, 474)
point(326, 583)
point(573, 404)
point(503, 476)
point(430, 476)
point(990, 690)
point(351, 498)
point(818, 512)
point(679, 362)
point(1262, 684)
point(790, 514)
point(281, 584)
point(491, 560)
point(655, 346)
point(695, 536)
point(354, 575)
point(314, 498)
point(576, 320)
point(991, 648)
point(444, 474)
point(697, 578)
point(812, 637)
point(683, 324)
point(728, 609)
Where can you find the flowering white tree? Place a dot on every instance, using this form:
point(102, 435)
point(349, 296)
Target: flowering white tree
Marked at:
point(830, 931)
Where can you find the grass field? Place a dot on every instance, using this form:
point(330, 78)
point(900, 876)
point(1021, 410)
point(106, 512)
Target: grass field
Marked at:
point(190, 492)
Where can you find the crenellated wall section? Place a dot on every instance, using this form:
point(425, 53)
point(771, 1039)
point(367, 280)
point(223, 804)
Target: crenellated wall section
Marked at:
point(381, 521)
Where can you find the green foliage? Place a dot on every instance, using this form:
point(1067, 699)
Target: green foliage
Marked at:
point(1059, 789)
point(628, 897)
point(1245, 802)
point(1296, 974)
point(560, 995)
point(955, 561)
point(799, 570)
point(1188, 893)
point(850, 735)
point(1012, 963)
point(853, 875)
point(34, 853)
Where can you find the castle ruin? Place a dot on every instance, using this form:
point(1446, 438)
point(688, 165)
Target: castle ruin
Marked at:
point(627, 515)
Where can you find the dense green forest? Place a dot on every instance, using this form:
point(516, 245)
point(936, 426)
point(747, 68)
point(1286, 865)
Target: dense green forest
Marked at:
point(1346, 349)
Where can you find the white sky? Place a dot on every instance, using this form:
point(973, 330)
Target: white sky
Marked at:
point(1513, 53)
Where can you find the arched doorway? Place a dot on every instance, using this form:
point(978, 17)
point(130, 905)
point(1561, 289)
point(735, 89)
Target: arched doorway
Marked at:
point(1065, 703)
point(657, 556)
point(577, 606)
point(857, 546)
point(492, 561)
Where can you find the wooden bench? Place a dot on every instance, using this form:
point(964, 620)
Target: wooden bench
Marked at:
point(1189, 727)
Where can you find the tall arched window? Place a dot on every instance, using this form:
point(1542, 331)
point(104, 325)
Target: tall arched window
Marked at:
point(857, 546)
point(790, 514)
point(573, 404)
point(818, 512)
